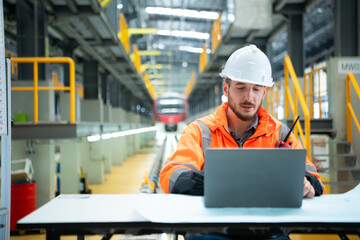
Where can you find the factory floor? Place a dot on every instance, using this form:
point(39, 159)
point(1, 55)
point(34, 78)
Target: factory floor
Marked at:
point(127, 178)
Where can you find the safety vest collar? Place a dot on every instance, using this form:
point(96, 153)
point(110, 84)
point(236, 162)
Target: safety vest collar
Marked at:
point(218, 119)
point(267, 125)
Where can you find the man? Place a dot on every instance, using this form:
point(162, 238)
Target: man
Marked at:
point(239, 123)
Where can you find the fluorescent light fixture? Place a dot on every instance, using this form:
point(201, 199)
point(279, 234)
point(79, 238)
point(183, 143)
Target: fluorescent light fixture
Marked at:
point(161, 46)
point(231, 17)
point(185, 34)
point(194, 49)
point(170, 102)
point(106, 136)
point(93, 138)
point(182, 12)
point(191, 49)
point(133, 131)
point(120, 6)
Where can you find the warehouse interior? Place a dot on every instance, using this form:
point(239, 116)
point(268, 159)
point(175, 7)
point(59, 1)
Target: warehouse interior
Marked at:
point(85, 76)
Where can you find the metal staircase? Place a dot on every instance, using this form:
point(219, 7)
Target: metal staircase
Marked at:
point(335, 160)
point(334, 157)
point(318, 126)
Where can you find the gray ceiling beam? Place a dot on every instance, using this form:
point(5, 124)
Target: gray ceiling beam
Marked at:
point(278, 5)
point(95, 55)
point(278, 29)
point(48, 5)
point(95, 6)
point(92, 29)
point(97, 37)
point(243, 40)
point(55, 33)
point(64, 12)
point(251, 35)
point(295, 8)
point(72, 6)
point(310, 3)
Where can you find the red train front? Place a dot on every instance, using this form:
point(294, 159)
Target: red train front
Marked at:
point(170, 109)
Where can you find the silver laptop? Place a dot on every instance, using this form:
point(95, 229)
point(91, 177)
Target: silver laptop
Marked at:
point(267, 177)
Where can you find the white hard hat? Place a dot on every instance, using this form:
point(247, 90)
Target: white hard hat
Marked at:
point(250, 65)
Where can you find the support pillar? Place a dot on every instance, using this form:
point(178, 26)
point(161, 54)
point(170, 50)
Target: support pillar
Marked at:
point(70, 167)
point(346, 37)
point(107, 154)
point(44, 172)
point(296, 43)
point(91, 83)
point(92, 162)
point(30, 37)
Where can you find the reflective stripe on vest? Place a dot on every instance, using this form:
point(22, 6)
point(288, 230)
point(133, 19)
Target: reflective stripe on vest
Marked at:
point(174, 176)
point(206, 135)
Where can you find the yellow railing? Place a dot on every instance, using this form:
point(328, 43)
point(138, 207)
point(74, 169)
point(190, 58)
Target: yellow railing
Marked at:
point(149, 85)
point(298, 95)
point(136, 58)
point(202, 59)
point(273, 99)
point(36, 88)
point(123, 35)
point(349, 109)
point(310, 95)
point(216, 34)
point(190, 84)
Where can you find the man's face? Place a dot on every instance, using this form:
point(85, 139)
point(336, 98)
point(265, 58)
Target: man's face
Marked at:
point(244, 99)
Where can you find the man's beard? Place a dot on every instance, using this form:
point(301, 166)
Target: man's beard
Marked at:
point(243, 117)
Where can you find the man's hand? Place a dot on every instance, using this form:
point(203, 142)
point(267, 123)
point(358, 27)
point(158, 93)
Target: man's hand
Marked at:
point(308, 191)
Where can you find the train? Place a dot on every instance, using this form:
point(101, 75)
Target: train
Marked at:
point(171, 108)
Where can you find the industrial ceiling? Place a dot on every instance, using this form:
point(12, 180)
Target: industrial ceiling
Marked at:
point(95, 29)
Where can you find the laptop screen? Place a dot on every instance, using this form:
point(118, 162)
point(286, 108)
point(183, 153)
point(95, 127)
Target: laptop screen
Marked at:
point(252, 177)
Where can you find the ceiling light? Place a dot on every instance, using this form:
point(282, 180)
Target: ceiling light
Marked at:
point(182, 12)
point(161, 46)
point(191, 49)
point(231, 17)
point(170, 101)
point(120, 6)
point(184, 64)
point(185, 34)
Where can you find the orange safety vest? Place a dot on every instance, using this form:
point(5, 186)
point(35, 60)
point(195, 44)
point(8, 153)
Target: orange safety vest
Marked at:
point(191, 147)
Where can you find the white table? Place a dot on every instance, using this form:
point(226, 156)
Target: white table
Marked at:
point(157, 213)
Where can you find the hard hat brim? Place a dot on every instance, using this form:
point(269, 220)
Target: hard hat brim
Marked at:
point(247, 81)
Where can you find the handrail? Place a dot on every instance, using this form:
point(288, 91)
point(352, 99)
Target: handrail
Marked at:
point(349, 109)
point(36, 88)
point(216, 34)
point(149, 85)
point(135, 57)
point(202, 59)
point(273, 100)
point(190, 84)
point(123, 34)
point(309, 75)
point(289, 69)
